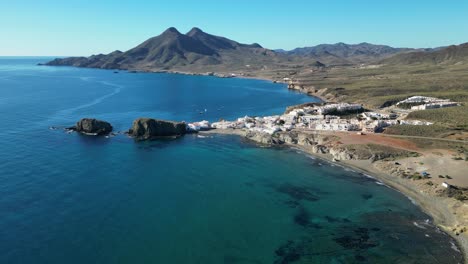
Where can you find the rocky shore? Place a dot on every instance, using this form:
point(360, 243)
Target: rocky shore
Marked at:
point(379, 161)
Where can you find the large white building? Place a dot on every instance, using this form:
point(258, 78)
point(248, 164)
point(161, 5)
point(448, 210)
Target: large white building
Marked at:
point(434, 105)
point(343, 107)
point(422, 99)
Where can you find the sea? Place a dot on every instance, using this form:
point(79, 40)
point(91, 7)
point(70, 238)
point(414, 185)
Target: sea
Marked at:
point(70, 198)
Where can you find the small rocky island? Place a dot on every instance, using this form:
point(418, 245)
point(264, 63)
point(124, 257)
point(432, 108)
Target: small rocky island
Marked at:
point(93, 127)
point(148, 128)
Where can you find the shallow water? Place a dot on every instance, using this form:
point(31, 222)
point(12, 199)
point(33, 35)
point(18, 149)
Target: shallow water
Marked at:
point(67, 198)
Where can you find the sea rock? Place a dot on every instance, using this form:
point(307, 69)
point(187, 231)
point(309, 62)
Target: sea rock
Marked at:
point(91, 126)
point(148, 128)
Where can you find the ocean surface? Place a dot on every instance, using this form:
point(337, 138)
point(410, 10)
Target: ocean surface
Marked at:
point(68, 198)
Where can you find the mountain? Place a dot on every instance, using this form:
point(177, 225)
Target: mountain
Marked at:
point(445, 55)
point(347, 53)
point(174, 50)
point(200, 52)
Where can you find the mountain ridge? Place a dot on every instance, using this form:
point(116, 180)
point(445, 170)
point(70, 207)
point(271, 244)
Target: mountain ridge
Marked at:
point(198, 51)
point(171, 49)
point(445, 55)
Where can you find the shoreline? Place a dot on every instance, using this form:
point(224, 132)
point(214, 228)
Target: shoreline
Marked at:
point(435, 207)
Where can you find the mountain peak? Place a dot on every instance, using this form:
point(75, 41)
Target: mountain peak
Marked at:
point(171, 30)
point(175, 50)
point(194, 31)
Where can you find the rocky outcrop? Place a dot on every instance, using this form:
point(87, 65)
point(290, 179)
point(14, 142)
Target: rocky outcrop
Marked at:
point(148, 128)
point(316, 143)
point(342, 154)
point(327, 144)
point(91, 126)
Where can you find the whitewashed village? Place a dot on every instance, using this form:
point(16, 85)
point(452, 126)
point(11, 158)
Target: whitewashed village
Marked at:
point(331, 117)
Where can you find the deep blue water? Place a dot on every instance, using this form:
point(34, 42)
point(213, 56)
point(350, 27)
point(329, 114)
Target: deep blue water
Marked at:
point(66, 198)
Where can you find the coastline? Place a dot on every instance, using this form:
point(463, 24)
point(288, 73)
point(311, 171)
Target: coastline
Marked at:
point(435, 207)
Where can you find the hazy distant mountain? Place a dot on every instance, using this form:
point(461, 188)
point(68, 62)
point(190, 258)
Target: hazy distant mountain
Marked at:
point(172, 49)
point(348, 53)
point(444, 55)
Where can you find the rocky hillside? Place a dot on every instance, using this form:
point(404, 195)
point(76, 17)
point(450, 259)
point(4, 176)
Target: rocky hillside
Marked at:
point(342, 53)
point(455, 54)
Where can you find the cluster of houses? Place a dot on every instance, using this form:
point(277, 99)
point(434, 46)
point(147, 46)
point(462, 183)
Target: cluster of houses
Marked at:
point(312, 118)
point(327, 118)
point(424, 102)
point(378, 116)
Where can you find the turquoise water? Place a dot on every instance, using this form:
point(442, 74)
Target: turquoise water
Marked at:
point(67, 198)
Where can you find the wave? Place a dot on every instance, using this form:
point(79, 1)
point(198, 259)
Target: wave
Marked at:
point(63, 115)
point(385, 185)
point(418, 225)
point(117, 90)
point(454, 246)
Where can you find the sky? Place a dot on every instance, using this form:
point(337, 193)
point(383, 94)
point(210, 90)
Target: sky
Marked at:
point(82, 28)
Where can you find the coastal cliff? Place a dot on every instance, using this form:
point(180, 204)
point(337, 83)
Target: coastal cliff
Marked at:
point(326, 144)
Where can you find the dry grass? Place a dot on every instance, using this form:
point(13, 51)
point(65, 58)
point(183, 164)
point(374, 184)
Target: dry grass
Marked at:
point(420, 131)
point(452, 117)
point(373, 87)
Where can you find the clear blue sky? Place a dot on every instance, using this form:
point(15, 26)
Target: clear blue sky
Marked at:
point(72, 27)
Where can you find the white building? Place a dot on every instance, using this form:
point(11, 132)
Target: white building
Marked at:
point(343, 107)
point(434, 105)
